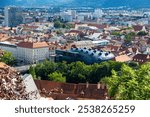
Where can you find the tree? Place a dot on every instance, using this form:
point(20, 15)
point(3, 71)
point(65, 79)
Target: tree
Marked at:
point(116, 33)
point(58, 24)
point(62, 67)
point(133, 64)
point(42, 70)
point(7, 58)
point(142, 33)
point(129, 37)
point(68, 26)
point(78, 72)
point(59, 32)
point(129, 84)
point(56, 77)
point(32, 72)
point(99, 71)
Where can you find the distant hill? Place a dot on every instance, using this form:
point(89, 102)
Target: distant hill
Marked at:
point(79, 3)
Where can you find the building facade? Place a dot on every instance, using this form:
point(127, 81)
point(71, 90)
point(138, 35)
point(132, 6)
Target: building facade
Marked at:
point(7, 46)
point(13, 16)
point(32, 52)
point(86, 55)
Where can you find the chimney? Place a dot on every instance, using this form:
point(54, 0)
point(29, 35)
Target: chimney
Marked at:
point(87, 85)
point(148, 56)
point(98, 85)
point(103, 86)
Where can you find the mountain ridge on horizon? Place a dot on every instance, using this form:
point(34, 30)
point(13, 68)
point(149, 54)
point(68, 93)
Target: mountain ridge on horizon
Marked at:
point(79, 3)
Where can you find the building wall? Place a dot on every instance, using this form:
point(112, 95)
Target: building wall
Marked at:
point(9, 48)
point(52, 54)
point(82, 44)
point(29, 55)
point(25, 55)
point(13, 16)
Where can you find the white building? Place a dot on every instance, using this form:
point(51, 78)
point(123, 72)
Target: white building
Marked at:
point(98, 13)
point(29, 52)
point(82, 44)
point(80, 18)
point(32, 52)
point(67, 18)
point(7, 46)
point(67, 15)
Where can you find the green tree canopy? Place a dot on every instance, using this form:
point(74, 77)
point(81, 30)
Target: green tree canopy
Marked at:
point(32, 72)
point(78, 72)
point(58, 24)
point(56, 77)
point(7, 58)
point(129, 84)
point(42, 70)
point(117, 33)
point(142, 33)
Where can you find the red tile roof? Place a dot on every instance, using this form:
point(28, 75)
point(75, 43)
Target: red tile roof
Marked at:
point(141, 58)
point(63, 90)
point(75, 31)
point(2, 65)
point(99, 26)
point(33, 44)
point(122, 58)
point(137, 27)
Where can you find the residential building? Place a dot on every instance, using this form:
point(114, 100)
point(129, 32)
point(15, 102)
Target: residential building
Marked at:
point(82, 44)
point(98, 13)
point(10, 47)
point(32, 52)
point(122, 58)
point(67, 17)
point(141, 58)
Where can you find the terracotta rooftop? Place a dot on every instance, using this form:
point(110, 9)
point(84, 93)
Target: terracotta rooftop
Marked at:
point(11, 84)
point(99, 26)
point(141, 58)
point(137, 27)
point(33, 44)
point(3, 37)
point(2, 65)
point(122, 58)
point(112, 48)
point(61, 91)
point(75, 31)
point(30, 27)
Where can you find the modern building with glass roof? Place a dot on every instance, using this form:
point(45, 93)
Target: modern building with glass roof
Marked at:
point(88, 56)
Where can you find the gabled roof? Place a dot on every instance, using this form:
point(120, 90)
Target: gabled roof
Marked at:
point(137, 27)
point(141, 58)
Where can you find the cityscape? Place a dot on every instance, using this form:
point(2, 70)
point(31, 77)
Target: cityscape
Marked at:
point(73, 50)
